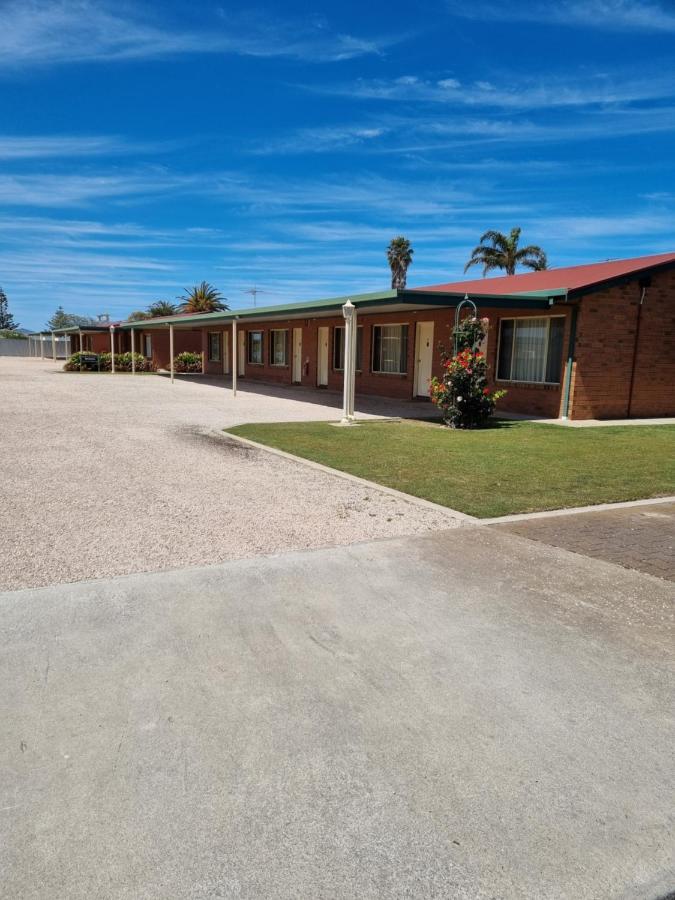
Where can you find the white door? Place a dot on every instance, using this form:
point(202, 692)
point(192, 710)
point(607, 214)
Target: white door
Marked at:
point(322, 358)
point(424, 351)
point(241, 362)
point(297, 355)
point(226, 353)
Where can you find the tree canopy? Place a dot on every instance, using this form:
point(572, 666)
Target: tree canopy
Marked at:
point(399, 257)
point(7, 322)
point(162, 308)
point(202, 298)
point(500, 251)
point(62, 319)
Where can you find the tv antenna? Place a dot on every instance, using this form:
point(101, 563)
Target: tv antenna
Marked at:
point(254, 291)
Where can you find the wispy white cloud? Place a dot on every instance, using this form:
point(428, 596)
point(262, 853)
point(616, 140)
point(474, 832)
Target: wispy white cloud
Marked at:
point(417, 134)
point(323, 139)
point(52, 190)
point(44, 146)
point(514, 93)
point(44, 32)
point(607, 226)
point(608, 15)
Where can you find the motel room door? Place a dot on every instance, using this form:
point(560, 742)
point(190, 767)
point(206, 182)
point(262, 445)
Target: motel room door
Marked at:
point(322, 357)
point(424, 351)
point(297, 356)
point(241, 353)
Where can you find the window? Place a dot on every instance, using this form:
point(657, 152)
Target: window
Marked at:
point(531, 349)
point(278, 352)
point(147, 346)
point(339, 348)
point(214, 346)
point(390, 349)
point(255, 347)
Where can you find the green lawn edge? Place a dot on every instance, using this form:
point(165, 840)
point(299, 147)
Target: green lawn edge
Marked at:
point(510, 467)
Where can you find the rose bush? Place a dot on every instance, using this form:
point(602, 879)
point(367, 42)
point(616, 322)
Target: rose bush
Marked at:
point(462, 393)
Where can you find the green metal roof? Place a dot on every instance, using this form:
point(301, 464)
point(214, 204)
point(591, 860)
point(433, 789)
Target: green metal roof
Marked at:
point(74, 329)
point(531, 299)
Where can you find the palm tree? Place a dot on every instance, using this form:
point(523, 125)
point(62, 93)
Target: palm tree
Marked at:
point(399, 257)
point(202, 298)
point(161, 308)
point(497, 251)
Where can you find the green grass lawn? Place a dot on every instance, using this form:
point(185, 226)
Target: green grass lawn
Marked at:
point(511, 467)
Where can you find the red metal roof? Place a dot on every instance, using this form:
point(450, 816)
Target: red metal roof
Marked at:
point(570, 278)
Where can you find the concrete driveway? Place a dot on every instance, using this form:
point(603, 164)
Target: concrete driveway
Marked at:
point(105, 475)
point(460, 715)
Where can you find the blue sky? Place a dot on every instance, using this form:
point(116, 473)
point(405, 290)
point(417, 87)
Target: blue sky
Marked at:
point(147, 146)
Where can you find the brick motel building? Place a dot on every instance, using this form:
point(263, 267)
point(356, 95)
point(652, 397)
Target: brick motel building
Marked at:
point(585, 342)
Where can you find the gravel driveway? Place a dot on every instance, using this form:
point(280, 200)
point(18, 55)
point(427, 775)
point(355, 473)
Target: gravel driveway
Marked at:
point(107, 475)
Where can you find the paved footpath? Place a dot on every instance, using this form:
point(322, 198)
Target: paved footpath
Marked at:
point(460, 715)
point(638, 537)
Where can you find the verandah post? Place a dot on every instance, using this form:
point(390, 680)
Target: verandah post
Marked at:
point(349, 363)
point(235, 357)
point(171, 349)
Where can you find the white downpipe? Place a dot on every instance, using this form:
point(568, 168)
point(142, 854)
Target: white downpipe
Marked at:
point(171, 349)
point(112, 349)
point(235, 357)
point(133, 351)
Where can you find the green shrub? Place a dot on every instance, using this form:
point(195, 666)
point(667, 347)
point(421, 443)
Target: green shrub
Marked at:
point(188, 362)
point(11, 335)
point(82, 361)
point(123, 362)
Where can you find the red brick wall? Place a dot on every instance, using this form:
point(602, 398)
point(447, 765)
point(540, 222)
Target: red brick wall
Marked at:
point(535, 399)
point(654, 383)
point(182, 341)
point(600, 385)
point(605, 347)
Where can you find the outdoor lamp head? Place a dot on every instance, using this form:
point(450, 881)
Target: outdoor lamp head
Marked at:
point(348, 310)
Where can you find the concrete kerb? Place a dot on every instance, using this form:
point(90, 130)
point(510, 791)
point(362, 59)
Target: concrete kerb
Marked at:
point(463, 518)
point(574, 510)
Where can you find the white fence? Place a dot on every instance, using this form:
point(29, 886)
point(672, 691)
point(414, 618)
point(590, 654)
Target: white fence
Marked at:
point(13, 347)
point(36, 347)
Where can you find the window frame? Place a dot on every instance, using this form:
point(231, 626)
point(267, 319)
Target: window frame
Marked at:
point(400, 325)
point(513, 344)
point(218, 336)
point(147, 346)
point(359, 346)
point(249, 360)
point(270, 348)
